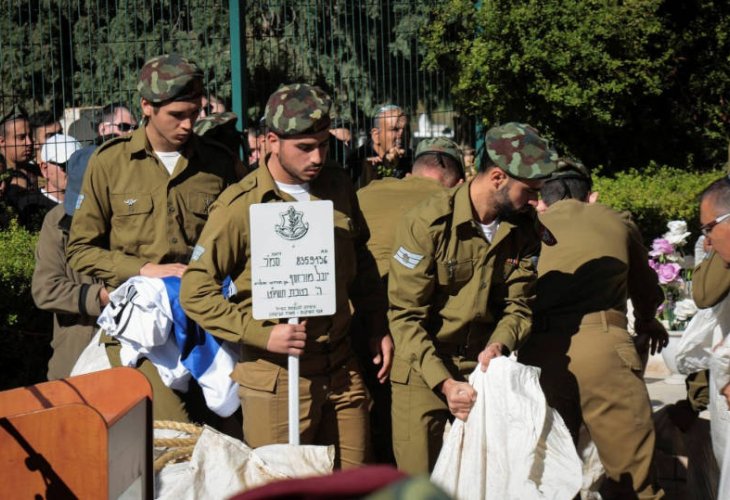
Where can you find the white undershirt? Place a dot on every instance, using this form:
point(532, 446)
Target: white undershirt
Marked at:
point(299, 192)
point(50, 195)
point(169, 160)
point(490, 229)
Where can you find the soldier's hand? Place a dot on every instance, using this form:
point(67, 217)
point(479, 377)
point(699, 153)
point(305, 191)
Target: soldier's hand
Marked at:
point(658, 336)
point(288, 339)
point(490, 352)
point(103, 296)
point(382, 349)
point(151, 270)
point(460, 397)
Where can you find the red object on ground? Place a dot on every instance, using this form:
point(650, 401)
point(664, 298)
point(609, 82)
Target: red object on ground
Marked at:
point(352, 483)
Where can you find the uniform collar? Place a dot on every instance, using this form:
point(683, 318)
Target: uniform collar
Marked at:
point(267, 185)
point(464, 215)
point(139, 143)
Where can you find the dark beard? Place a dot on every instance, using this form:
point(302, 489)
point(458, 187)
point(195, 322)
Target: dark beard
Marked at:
point(504, 206)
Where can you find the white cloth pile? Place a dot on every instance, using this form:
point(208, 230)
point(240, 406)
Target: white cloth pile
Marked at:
point(512, 446)
point(705, 345)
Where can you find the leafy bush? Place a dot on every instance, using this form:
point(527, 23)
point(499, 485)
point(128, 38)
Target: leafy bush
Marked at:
point(25, 332)
point(656, 195)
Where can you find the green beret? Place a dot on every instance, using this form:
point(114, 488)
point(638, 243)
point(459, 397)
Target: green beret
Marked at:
point(440, 145)
point(170, 77)
point(520, 151)
point(298, 109)
point(568, 168)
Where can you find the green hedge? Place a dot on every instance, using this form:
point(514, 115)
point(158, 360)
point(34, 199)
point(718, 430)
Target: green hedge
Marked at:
point(656, 195)
point(25, 332)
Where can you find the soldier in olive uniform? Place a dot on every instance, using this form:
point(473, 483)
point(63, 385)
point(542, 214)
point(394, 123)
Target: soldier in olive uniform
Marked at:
point(710, 281)
point(334, 400)
point(592, 260)
point(460, 285)
point(145, 197)
point(438, 165)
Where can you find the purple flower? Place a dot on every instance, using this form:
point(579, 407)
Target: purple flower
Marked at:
point(661, 246)
point(654, 264)
point(668, 272)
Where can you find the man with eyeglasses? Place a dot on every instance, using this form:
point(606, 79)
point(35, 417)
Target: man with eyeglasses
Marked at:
point(711, 277)
point(145, 199)
point(386, 154)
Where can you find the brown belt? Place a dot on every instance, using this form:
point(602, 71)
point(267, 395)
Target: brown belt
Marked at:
point(609, 317)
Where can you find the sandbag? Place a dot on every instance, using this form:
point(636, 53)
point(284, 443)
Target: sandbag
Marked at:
point(513, 445)
point(222, 466)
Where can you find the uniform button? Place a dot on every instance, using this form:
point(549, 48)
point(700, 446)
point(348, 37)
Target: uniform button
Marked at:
point(174, 240)
point(324, 387)
point(170, 209)
point(483, 285)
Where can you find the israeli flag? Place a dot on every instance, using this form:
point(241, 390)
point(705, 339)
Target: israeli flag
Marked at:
point(145, 315)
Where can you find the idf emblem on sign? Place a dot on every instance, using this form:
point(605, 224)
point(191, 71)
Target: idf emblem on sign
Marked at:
point(292, 225)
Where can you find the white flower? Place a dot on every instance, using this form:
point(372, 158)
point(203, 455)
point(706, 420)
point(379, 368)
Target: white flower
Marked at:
point(685, 309)
point(677, 234)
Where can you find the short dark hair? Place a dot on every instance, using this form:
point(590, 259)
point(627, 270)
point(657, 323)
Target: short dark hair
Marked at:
point(438, 161)
point(107, 112)
point(565, 188)
point(42, 119)
point(718, 193)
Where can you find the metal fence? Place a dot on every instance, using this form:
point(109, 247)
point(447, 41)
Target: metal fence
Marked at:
point(72, 56)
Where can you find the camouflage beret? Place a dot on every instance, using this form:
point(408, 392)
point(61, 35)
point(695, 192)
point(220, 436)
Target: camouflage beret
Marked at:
point(211, 122)
point(298, 109)
point(569, 168)
point(440, 145)
point(520, 151)
point(170, 77)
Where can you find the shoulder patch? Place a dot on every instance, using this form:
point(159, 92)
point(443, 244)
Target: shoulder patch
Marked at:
point(407, 258)
point(79, 201)
point(198, 251)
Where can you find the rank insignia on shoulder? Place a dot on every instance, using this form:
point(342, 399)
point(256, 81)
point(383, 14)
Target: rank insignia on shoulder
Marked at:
point(547, 237)
point(407, 258)
point(197, 253)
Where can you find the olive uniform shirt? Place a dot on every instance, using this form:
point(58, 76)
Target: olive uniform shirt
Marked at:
point(451, 291)
point(72, 297)
point(612, 266)
point(710, 281)
point(224, 250)
point(383, 202)
point(131, 211)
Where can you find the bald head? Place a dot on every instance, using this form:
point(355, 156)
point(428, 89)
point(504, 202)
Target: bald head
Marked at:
point(439, 167)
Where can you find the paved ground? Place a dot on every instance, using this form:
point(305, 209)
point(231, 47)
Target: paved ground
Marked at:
point(685, 464)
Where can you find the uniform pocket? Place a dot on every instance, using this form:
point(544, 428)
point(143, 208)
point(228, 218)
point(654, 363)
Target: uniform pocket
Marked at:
point(130, 204)
point(257, 376)
point(452, 275)
point(400, 371)
point(629, 357)
point(199, 203)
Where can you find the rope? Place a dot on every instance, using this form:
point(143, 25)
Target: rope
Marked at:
point(181, 448)
point(173, 456)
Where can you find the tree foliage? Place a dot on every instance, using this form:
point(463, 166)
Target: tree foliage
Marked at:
point(615, 83)
point(61, 53)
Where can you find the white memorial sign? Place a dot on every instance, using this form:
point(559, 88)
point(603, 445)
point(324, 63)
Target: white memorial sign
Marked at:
point(293, 259)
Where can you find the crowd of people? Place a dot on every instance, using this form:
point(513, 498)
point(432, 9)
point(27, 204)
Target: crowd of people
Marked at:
point(439, 268)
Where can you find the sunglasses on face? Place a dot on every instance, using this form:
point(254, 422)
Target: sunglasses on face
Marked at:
point(123, 126)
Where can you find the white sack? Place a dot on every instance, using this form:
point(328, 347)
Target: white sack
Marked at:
point(222, 466)
point(513, 446)
point(92, 359)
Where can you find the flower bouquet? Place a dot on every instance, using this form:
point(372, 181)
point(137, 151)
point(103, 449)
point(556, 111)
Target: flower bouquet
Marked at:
point(675, 274)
